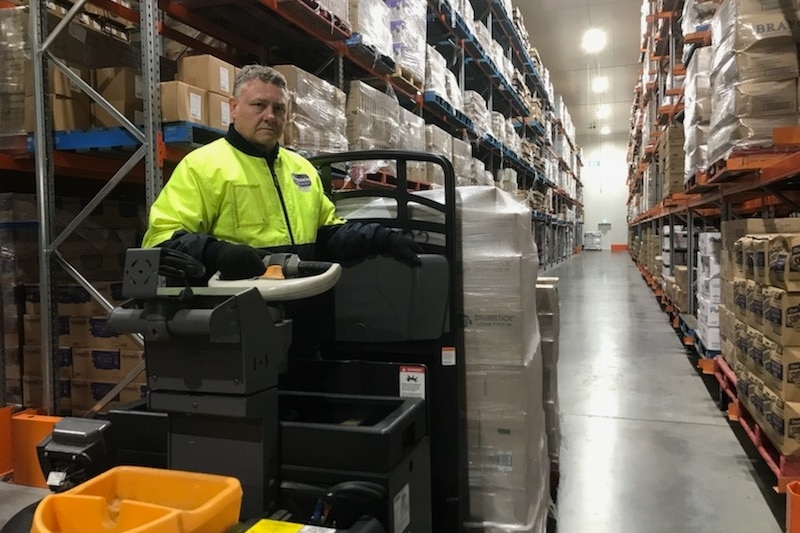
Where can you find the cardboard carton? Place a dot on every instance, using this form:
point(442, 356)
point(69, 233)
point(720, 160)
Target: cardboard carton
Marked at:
point(68, 113)
point(782, 316)
point(784, 261)
point(207, 72)
point(182, 102)
point(219, 111)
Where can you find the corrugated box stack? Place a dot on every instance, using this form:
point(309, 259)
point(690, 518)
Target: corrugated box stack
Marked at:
point(439, 142)
point(672, 159)
point(762, 338)
point(507, 440)
point(98, 252)
point(709, 289)
point(316, 121)
point(674, 244)
point(372, 118)
point(372, 20)
point(507, 180)
point(435, 67)
point(409, 26)
point(123, 88)
point(462, 158)
point(414, 140)
point(200, 93)
point(477, 110)
point(548, 308)
point(697, 99)
point(754, 76)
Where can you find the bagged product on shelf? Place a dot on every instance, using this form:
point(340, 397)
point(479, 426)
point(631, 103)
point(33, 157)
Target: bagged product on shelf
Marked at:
point(316, 120)
point(697, 15)
point(372, 20)
point(435, 68)
point(409, 27)
point(697, 92)
point(477, 110)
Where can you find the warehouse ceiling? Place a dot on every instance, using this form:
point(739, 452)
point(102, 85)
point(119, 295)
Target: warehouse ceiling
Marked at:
point(556, 29)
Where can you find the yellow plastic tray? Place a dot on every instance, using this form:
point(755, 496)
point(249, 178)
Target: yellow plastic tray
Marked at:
point(131, 499)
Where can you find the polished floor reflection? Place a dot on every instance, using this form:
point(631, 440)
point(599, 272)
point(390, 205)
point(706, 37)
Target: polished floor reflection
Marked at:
point(645, 448)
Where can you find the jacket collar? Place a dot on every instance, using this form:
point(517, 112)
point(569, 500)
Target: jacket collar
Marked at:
point(236, 140)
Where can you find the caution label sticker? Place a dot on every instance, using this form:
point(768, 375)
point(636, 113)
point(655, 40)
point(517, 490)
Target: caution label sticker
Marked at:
point(412, 382)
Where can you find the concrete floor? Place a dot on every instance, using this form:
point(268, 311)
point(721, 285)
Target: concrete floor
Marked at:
point(645, 448)
point(14, 498)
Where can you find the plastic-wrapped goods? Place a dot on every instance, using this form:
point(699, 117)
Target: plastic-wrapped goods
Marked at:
point(462, 158)
point(372, 118)
point(340, 8)
point(548, 307)
point(484, 37)
point(409, 27)
point(476, 109)
point(697, 15)
point(753, 100)
point(697, 93)
point(437, 141)
point(413, 128)
point(498, 126)
point(745, 133)
point(454, 93)
point(513, 140)
point(762, 44)
point(13, 41)
point(316, 121)
point(696, 148)
point(507, 175)
point(435, 68)
point(372, 20)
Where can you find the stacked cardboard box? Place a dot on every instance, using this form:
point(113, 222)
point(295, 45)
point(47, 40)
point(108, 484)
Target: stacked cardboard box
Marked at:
point(674, 244)
point(761, 338)
point(754, 75)
point(507, 441)
point(372, 118)
point(697, 99)
point(461, 158)
point(477, 110)
point(409, 26)
point(672, 159)
point(414, 140)
point(709, 289)
point(201, 92)
point(549, 314)
point(439, 142)
point(316, 120)
point(372, 20)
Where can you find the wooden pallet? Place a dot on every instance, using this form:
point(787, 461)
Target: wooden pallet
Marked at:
point(405, 78)
point(698, 183)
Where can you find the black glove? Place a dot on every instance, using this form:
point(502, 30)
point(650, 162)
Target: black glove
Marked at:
point(233, 261)
point(403, 248)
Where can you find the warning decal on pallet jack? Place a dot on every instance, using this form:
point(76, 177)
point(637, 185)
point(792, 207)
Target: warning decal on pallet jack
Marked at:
point(412, 382)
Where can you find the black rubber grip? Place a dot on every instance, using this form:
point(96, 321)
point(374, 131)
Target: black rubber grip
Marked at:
point(312, 268)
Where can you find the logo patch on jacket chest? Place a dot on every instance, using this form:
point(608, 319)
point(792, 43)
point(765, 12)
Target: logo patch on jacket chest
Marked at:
point(302, 181)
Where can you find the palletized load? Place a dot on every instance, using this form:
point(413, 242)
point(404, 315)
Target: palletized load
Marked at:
point(409, 27)
point(372, 20)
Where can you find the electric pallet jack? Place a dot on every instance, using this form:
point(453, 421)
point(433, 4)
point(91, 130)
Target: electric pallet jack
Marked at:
point(367, 432)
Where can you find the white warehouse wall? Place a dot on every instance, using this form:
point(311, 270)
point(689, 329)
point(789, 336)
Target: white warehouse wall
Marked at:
point(605, 191)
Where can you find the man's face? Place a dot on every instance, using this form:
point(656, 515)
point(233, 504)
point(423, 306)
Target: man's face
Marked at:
point(259, 113)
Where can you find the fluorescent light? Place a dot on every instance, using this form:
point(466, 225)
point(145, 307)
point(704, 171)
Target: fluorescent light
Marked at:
point(600, 84)
point(594, 40)
point(605, 130)
point(604, 111)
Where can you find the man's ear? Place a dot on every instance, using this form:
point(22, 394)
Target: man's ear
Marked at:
point(234, 105)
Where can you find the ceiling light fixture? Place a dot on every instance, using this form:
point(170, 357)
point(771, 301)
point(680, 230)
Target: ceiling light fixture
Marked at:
point(594, 40)
point(605, 130)
point(600, 84)
point(604, 111)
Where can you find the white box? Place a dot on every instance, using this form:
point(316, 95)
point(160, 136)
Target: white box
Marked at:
point(711, 289)
point(500, 333)
point(710, 337)
point(709, 266)
point(709, 243)
point(707, 312)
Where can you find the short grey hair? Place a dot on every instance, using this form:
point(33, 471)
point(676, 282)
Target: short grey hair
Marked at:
point(258, 72)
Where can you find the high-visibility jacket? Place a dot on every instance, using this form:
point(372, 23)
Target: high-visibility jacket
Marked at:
point(231, 191)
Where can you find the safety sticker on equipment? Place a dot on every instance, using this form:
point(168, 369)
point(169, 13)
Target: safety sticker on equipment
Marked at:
point(448, 356)
point(402, 510)
point(412, 382)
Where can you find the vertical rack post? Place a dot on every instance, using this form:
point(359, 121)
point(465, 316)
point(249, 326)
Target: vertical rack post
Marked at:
point(151, 76)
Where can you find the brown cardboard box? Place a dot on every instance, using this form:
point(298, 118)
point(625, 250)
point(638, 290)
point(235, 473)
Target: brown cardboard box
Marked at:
point(68, 113)
point(119, 83)
point(32, 359)
point(207, 72)
point(219, 111)
point(782, 370)
point(182, 102)
point(784, 261)
point(783, 426)
point(740, 298)
point(105, 365)
point(13, 362)
point(754, 301)
point(33, 393)
point(85, 393)
point(60, 85)
point(740, 336)
point(736, 229)
point(682, 277)
point(782, 316)
point(755, 351)
point(133, 111)
point(727, 288)
point(32, 329)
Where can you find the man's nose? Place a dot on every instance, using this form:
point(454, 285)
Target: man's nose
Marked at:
point(269, 113)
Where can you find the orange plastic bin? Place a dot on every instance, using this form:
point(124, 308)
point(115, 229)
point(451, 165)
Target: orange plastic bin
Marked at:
point(793, 507)
point(130, 499)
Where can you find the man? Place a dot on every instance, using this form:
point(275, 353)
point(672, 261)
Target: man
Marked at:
point(231, 201)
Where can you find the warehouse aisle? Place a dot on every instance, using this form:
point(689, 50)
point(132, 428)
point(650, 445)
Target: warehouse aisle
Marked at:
point(644, 448)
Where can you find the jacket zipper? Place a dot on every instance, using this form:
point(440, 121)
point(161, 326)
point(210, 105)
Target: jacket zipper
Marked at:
point(283, 203)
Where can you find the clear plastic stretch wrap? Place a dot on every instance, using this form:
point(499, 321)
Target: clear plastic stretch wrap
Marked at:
point(316, 121)
point(372, 118)
point(454, 94)
point(513, 140)
point(696, 148)
point(484, 37)
point(697, 93)
point(745, 133)
point(476, 109)
point(413, 139)
point(753, 99)
point(462, 158)
point(13, 42)
point(409, 27)
point(437, 141)
point(435, 68)
point(372, 19)
point(761, 43)
point(548, 306)
point(498, 126)
point(340, 8)
point(697, 15)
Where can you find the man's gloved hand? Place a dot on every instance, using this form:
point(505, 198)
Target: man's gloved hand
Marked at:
point(233, 261)
point(403, 248)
